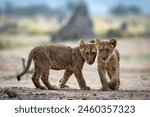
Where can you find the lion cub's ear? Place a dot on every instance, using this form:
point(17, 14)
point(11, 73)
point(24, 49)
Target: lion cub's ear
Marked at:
point(113, 42)
point(81, 44)
point(97, 42)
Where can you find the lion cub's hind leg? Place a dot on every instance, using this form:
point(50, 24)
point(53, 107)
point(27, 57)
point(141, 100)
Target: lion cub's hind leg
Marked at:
point(65, 78)
point(45, 76)
point(35, 78)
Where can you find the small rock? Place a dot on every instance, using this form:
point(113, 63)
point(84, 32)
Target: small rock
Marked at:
point(94, 94)
point(84, 98)
point(11, 94)
point(131, 95)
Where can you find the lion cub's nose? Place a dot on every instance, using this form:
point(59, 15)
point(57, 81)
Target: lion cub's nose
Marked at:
point(105, 58)
point(90, 62)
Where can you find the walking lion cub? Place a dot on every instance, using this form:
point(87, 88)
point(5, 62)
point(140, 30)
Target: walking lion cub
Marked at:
point(59, 57)
point(108, 61)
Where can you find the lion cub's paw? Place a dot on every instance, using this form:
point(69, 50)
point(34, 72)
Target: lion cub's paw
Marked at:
point(64, 86)
point(114, 86)
point(85, 88)
point(43, 88)
point(53, 87)
point(105, 89)
point(115, 89)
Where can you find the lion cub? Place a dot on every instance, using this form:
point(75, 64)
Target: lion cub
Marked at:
point(108, 61)
point(60, 57)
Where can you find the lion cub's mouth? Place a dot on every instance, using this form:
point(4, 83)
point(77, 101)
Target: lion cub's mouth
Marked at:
point(90, 62)
point(104, 59)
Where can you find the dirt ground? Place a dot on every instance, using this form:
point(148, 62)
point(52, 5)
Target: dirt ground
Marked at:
point(23, 93)
point(135, 76)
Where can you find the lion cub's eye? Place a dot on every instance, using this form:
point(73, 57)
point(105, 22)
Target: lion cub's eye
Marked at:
point(94, 53)
point(100, 50)
point(86, 53)
point(107, 50)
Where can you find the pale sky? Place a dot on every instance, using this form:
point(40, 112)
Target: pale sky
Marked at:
point(95, 6)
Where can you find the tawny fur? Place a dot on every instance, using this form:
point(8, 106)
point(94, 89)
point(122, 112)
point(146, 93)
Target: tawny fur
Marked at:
point(59, 57)
point(108, 62)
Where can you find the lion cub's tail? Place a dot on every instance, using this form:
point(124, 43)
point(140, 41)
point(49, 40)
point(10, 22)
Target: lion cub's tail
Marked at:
point(27, 66)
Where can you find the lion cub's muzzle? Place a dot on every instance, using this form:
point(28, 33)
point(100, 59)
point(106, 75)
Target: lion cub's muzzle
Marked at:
point(91, 60)
point(105, 59)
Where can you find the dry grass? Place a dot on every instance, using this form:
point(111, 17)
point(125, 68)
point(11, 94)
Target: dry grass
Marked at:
point(137, 25)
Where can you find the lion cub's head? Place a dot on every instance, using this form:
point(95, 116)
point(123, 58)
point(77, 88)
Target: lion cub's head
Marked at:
point(105, 48)
point(88, 51)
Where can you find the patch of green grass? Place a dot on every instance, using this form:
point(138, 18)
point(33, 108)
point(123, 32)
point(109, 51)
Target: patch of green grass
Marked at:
point(10, 44)
point(136, 57)
point(145, 77)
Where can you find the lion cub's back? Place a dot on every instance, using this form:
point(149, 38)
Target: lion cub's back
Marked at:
point(117, 54)
point(60, 51)
point(61, 55)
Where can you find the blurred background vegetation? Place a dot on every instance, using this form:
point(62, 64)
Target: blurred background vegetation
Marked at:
point(117, 18)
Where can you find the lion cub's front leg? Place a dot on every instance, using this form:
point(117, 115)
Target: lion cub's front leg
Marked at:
point(65, 78)
point(81, 81)
point(114, 82)
point(102, 74)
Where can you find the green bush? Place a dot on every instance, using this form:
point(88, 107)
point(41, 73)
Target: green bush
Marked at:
point(7, 44)
point(113, 33)
point(13, 31)
point(4, 44)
